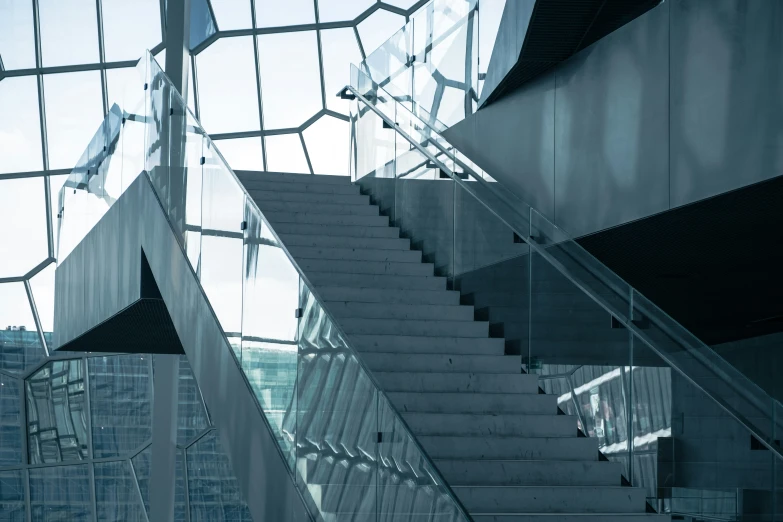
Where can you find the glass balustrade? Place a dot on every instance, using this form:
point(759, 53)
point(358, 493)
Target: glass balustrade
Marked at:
point(697, 434)
point(348, 450)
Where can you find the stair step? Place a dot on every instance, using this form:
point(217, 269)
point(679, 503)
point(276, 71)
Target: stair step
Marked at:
point(251, 183)
point(364, 267)
point(388, 295)
point(318, 208)
point(503, 425)
point(474, 403)
point(510, 448)
point(395, 327)
point(456, 382)
point(284, 216)
point(384, 310)
point(404, 362)
point(420, 344)
point(397, 256)
point(551, 499)
point(377, 281)
point(287, 177)
point(337, 230)
point(459, 472)
point(261, 196)
point(568, 517)
point(375, 243)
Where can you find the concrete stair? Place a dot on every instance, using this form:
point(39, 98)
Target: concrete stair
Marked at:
point(502, 445)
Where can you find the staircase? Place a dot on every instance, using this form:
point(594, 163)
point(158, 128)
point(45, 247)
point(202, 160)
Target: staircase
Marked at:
point(502, 445)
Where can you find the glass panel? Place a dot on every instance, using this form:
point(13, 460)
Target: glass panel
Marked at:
point(60, 493)
point(23, 241)
point(56, 413)
point(232, 14)
point(377, 28)
point(43, 292)
point(202, 26)
point(141, 467)
point(117, 80)
point(489, 23)
point(569, 333)
point(227, 89)
point(334, 10)
point(190, 409)
point(408, 486)
point(20, 344)
point(243, 153)
point(17, 44)
point(10, 421)
point(69, 32)
point(271, 298)
point(289, 71)
point(327, 146)
point(129, 28)
point(120, 403)
point(269, 13)
point(156, 142)
point(213, 490)
point(336, 427)
point(20, 145)
point(221, 243)
point(116, 496)
point(73, 112)
point(284, 153)
point(12, 495)
point(339, 49)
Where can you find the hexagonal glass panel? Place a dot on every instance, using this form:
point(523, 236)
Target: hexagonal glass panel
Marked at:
point(20, 344)
point(129, 28)
point(42, 285)
point(339, 50)
point(23, 239)
point(69, 32)
point(377, 28)
point(327, 145)
point(242, 153)
point(17, 43)
point(296, 12)
point(233, 14)
point(56, 413)
point(284, 153)
point(334, 10)
point(290, 78)
point(20, 131)
point(228, 95)
point(61, 493)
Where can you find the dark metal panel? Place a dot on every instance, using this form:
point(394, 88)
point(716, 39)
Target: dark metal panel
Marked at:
point(726, 95)
point(514, 142)
point(508, 44)
point(611, 128)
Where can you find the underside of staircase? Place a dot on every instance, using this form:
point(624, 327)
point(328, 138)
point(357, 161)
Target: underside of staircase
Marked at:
point(502, 445)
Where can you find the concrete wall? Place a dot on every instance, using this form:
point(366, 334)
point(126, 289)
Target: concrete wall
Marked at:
point(683, 103)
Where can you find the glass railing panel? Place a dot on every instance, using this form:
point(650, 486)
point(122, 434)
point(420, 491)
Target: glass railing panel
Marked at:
point(337, 426)
point(685, 442)
point(269, 327)
point(134, 107)
point(222, 214)
point(156, 160)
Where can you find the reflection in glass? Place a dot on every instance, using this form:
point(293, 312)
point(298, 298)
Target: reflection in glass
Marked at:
point(23, 241)
point(56, 415)
point(120, 400)
point(10, 421)
point(202, 26)
point(232, 14)
point(227, 90)
point(12, 495)
point(327, 145)
point(20, 133)
point(73, 111)
point(60, 493)
point(190, 410)
point(290, 72)
point(212, 488)
point(377, 28)
point(20, 344)
point(116, 497)
point(69, 32)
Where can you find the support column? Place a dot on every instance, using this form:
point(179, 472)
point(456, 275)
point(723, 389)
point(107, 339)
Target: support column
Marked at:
point(163, 468)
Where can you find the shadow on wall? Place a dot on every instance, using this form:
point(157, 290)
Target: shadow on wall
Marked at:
point(681, 104)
